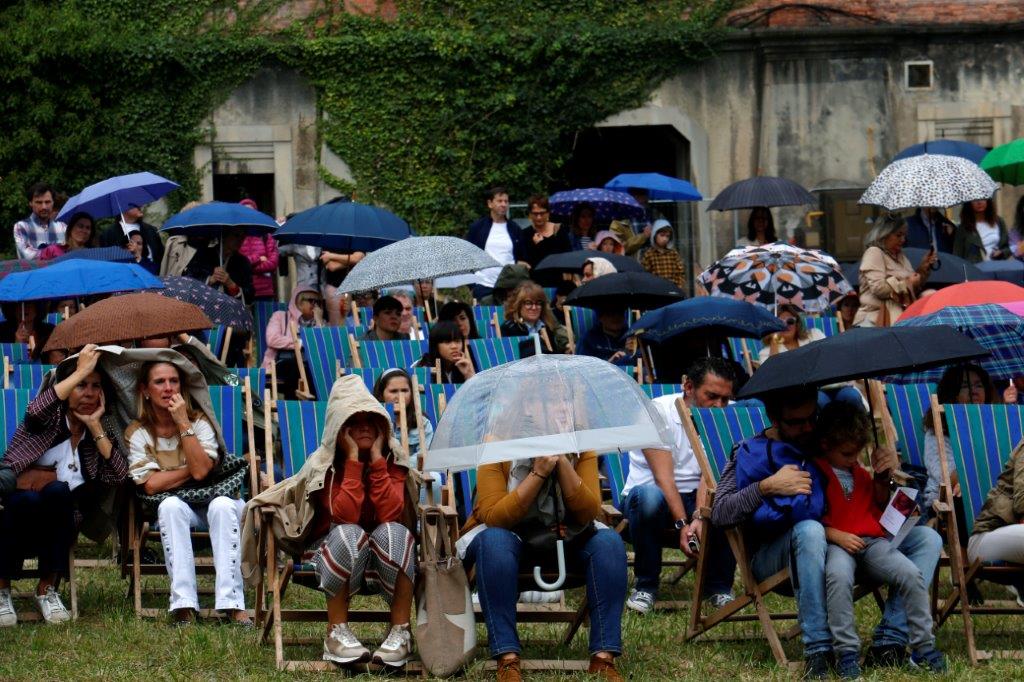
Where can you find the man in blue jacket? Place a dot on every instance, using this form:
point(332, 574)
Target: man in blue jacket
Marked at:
point(498, 236)
point(773, 488)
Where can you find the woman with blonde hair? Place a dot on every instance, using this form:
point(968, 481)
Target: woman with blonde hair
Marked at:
point(888, 281)
point(528, 312)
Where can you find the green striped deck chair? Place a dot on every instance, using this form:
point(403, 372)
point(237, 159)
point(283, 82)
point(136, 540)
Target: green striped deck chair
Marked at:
point(483, 314)
point(257, 378)
point(826, 324)
point(907, 405)
point(551, 293)
point(424, 375)
point(13, 403)
point(55, 318)
point(488, 353)
point(580, 319)
point(659, 390)
point(737, 344)
point(15, 352)
point(29, 376)
point(432, 402)
point(228, 409)
point(720, 429)
point(215, 339)
point(982, 439)
point(302, 425)
point(616, 470)
point(262, 311)
point(404, 353)
point(323, 348)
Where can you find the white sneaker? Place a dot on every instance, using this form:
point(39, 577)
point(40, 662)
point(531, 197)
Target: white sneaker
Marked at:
point(52, 607)
point(395, 649)
point(640, 601)
point(717, 601)
point(540, 597)
point(342, 646)
point(1011, 588)
point(8, 616)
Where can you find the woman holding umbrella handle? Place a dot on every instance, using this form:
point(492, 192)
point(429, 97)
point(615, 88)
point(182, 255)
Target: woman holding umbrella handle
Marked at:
point(888, 281)
point(521, 508)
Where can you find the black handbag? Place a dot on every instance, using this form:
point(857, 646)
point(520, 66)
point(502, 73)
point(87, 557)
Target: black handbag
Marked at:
point(224, 481)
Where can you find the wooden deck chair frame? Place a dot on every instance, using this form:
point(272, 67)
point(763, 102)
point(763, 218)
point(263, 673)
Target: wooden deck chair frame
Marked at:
point(139, 530)
point(964, 571)
point(303, 391)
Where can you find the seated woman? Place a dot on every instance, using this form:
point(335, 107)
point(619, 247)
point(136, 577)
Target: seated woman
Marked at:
point(528, 312)
point(516, 500)
point(447, 347)
point(60, 456)
point(350, 506)
point(461, 314)
point(304, 310)
point(395, 386)
point(172, 445)
point(594, 268)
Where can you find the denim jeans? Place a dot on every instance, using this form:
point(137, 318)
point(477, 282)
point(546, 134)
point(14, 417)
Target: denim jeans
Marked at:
point(649, 521)
point(922, 546)
point(802, 549)
point(497, 554)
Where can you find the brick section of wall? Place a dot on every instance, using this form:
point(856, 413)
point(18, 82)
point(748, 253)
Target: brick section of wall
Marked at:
point(852, 13)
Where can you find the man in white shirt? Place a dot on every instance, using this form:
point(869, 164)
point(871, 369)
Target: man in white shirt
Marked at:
point(498, 236)
point(664, 493)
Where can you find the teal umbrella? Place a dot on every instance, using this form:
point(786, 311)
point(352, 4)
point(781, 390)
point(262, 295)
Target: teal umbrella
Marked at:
point(1005, 163)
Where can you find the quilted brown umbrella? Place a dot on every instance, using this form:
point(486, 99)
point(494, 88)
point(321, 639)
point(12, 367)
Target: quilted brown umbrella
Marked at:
point(132, 316)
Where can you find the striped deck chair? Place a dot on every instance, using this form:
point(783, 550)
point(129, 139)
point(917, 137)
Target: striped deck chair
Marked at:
point(907, 405)
point(551, 293)
point(484, 317)
point(257, 377)
point(659, 390)
point(578, 320)
point(391, 353)
point(218, 338)
point(13, 353)
point(262, 311)
point(13, 403)
point(744, 351)
point(29, 376)
point(424, 375)
point(325, 349)
point(982, 439)
point(54, 318)
point(488, 353)
point(234, 414)
point(826, 324)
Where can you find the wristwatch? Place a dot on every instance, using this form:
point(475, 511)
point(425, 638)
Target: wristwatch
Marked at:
point(696, 515)
point(187, 432)
point(680, 524)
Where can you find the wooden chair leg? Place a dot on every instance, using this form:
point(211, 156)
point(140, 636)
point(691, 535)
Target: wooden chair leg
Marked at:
point(73, 583)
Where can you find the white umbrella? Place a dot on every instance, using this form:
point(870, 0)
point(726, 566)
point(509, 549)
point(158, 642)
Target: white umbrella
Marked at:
point(414, 259)
point(933, 180)
point(544, 405)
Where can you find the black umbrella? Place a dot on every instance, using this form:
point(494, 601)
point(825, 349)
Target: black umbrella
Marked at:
point(761, 191)
point(863, 353)
point(952, 269)
point(572, 261)
point(1009, 270)
point(637, 290)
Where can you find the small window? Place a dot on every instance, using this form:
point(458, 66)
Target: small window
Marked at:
point(918, 75)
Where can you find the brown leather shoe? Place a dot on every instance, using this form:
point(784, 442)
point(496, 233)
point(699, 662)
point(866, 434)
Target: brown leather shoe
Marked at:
point(508, 670)
point(604, 668)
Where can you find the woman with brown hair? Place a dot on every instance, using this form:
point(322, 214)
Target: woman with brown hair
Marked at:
point(172, 445)
point(81, 234)
point(529, 312)
point(981, 235)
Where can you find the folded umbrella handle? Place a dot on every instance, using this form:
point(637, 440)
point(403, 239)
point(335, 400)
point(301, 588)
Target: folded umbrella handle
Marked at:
point(538, 578)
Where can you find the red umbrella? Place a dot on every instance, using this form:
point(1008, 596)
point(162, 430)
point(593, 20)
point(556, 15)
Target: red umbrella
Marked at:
point(968, 293)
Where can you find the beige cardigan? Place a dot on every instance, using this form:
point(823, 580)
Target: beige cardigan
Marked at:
point(883, 281)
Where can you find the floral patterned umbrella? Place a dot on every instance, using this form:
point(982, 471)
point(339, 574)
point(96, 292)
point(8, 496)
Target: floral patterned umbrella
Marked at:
point(776, 274)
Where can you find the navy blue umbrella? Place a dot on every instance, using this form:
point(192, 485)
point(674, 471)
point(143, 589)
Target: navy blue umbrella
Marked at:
point(115, 195)
point(344, 226)
point(110, 254)
point(965, 150)
point(76, 277)
point(761, 191)
point(608, 204)
point(712, 315)
point(1009, 270)
point(572, 261)
point(210, 219)
point(658, 186)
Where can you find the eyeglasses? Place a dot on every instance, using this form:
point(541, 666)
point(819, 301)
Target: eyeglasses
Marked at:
point(790, 321)
point(794, 422)
point(533, 304)
point(539, 213)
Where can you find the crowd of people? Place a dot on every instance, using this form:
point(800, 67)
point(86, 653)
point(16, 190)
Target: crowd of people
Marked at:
point(798, 490)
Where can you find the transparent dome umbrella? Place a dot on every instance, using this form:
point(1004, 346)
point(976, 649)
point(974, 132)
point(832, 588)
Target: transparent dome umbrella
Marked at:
point(544, 405)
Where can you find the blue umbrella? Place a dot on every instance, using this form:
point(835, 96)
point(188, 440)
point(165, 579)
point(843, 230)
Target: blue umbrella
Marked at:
point(210, 219)
point(998, 330)
point(114, 195)
point(761, 190)
point(77, 277)
point(965, 150)
point(608, 204)
point(110, 254)
point(341, 225)
point(658, 186)
point(710, 314)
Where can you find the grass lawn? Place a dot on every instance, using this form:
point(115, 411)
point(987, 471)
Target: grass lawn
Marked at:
point(108, 642)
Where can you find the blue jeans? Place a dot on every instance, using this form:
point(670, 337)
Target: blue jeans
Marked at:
point(650, 528)
point(497, 555)
point(802, 549)
point(922, 546)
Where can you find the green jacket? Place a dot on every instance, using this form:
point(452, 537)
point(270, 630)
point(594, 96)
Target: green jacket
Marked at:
point(967, 243)
point(1004, 505)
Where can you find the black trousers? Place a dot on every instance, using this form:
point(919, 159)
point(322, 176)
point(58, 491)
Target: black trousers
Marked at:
point(40, 524)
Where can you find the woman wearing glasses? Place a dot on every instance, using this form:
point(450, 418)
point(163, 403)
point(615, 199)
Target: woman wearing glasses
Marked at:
point(528, 312)
point(888, 281)
point(306, 309)
point(543, 238)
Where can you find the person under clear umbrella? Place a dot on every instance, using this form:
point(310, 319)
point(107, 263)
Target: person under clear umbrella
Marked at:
point(888, 281)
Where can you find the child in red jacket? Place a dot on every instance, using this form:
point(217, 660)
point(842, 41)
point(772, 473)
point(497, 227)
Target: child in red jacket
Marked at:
point(858, 545)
